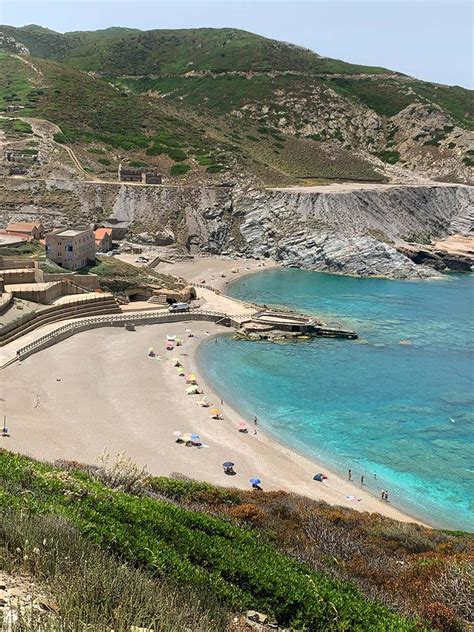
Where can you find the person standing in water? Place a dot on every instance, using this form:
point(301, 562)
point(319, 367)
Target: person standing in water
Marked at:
point(362, 480)
point(349, 475)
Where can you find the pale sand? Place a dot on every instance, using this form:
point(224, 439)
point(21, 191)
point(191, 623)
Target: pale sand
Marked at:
point(99, 389)
point(210, 269)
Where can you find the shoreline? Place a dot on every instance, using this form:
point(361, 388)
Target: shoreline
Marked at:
point(308, 463)
point(134, 404)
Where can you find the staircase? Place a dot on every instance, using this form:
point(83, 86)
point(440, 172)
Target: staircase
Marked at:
point(77, 307)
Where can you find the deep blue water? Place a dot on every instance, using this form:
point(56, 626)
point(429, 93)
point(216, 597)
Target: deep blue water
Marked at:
point(403, 412)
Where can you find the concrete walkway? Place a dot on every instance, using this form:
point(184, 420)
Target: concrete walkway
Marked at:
point(209, 300)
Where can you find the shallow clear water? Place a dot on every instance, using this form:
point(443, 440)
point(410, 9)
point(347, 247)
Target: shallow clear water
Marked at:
point(402, 412)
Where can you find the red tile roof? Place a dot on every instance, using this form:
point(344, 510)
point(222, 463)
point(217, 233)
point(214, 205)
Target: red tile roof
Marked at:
point(22, 227)
point(100, 233)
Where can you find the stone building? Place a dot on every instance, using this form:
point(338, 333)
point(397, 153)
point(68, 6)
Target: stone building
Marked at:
point(145, 176)
point(71, 248)
point(33, 230)
point(103, 239)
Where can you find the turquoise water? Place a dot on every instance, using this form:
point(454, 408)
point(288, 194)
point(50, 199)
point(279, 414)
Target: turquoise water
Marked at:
point(402, 412)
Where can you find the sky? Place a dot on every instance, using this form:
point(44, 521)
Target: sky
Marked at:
point(429, 40)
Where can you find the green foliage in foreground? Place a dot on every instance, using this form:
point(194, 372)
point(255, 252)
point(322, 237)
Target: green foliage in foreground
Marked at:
point(241, 567)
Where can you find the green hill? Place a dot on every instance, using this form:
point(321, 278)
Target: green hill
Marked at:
point(201, 555)
point(208, 104)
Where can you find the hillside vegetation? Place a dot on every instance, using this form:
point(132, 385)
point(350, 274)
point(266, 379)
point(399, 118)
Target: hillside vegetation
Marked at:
point(209, 105)
point(289, 558)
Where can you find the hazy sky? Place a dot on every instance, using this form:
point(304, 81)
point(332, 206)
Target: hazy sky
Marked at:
point(429, 40)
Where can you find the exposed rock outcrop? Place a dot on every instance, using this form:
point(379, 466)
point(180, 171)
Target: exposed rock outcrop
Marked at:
point(345, 229)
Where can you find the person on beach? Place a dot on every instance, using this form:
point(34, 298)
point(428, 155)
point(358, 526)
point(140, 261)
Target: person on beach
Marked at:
point(5, 431)
point(386, 497)
point(349, 475)
point(362, 480)
point(382, 494)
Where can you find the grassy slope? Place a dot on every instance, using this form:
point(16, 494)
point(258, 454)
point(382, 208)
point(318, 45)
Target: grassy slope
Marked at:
point(191, 128)
point(129, 51)
point(118, 51)
point(240, 567)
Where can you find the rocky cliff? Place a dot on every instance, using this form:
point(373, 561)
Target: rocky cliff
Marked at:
point(340, 229)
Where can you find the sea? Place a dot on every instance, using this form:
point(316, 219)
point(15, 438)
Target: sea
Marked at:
point(395, 406)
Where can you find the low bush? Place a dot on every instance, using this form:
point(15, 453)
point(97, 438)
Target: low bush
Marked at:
point(22, 126)
point(61, 138)
point(104, 161)
point(178, 155)
point(215, 168)
point(91, 587)
point(389, 156)
point(241, 567)
point(180, 169)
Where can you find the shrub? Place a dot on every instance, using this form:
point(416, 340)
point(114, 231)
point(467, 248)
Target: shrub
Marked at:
point(22, 126)
point(178, 155)
point(179, 170)
point(441, 617)
point(155, 150)
point(390, 156)
point(239, 566)
point(104, 161)
point(61, 138)
point(121, 473)
point(215, 168)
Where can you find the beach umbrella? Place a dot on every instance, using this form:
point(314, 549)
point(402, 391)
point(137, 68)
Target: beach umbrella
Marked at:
point(177, 433)
point(188, 331)
point(195, 437)
point(242, 425)
point(228, 464)
point(255, 481)
point(192, 390)
point(215, 411)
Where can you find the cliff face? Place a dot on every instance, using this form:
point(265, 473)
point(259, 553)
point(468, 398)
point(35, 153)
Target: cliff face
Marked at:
point(337, 229)
point(353, 232)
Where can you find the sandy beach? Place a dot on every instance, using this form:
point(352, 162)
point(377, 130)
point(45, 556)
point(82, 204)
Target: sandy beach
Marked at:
point(217, 272)
point(100, 390)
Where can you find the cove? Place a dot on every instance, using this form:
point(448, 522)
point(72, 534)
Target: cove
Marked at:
point(401, 412)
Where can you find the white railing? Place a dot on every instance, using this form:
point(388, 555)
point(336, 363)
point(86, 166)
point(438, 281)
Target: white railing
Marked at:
point(117, 319)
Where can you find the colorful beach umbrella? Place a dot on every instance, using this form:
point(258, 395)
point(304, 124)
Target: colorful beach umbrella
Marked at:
point(255, 481)
point(195, 437)
point(228, 464)
point(177, 433)
point(192, 390)
point(242, 425)
point(215, 411)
